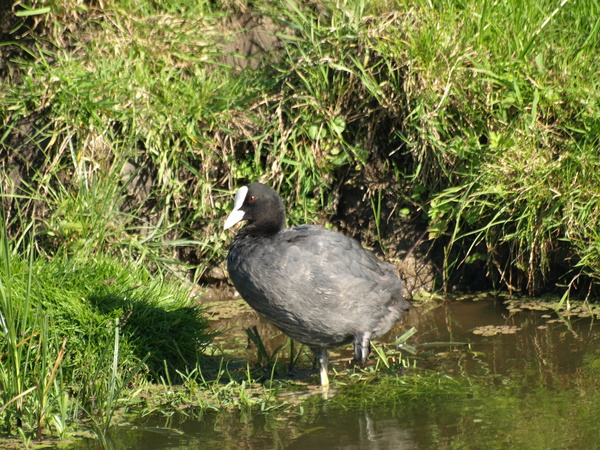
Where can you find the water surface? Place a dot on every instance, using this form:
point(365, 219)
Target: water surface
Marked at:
point(531, 385)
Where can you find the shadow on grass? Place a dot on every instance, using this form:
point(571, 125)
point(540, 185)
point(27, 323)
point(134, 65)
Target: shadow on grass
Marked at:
point(169, 337)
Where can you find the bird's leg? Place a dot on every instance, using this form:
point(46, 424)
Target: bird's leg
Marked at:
point(357, 349)
point(362, 346)
point(366, 346)
point(323, 361)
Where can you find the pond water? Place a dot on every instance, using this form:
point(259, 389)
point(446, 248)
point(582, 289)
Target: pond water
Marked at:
point(497, 377)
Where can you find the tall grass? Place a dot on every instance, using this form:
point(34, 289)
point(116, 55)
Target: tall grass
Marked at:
point(480, 116)
point(115, 147)
point(18, 329)
point(77, 332)
point(523, 164)
point(495, 129)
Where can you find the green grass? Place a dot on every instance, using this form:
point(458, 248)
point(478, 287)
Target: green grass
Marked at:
point(516, 119)
point(482, 117)
point(78, 332)
point(115, 144)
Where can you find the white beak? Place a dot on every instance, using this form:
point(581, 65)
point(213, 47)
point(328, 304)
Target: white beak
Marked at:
point(236, 215)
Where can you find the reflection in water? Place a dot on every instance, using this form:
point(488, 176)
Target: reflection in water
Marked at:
point(360, 431)
point(534, 388)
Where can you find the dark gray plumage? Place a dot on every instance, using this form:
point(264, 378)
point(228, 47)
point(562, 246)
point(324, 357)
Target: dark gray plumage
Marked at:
point(319, 287)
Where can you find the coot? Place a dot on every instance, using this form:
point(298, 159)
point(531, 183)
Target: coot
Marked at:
point(319, 287)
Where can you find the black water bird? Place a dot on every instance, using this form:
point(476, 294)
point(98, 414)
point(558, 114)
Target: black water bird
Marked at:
point(319, 287)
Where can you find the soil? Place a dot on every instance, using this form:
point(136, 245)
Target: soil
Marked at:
point(254, 40)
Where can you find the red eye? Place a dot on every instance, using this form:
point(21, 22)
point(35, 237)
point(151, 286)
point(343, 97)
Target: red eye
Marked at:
point(251, 199)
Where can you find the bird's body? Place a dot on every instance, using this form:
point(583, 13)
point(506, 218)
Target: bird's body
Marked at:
point(319, 287)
